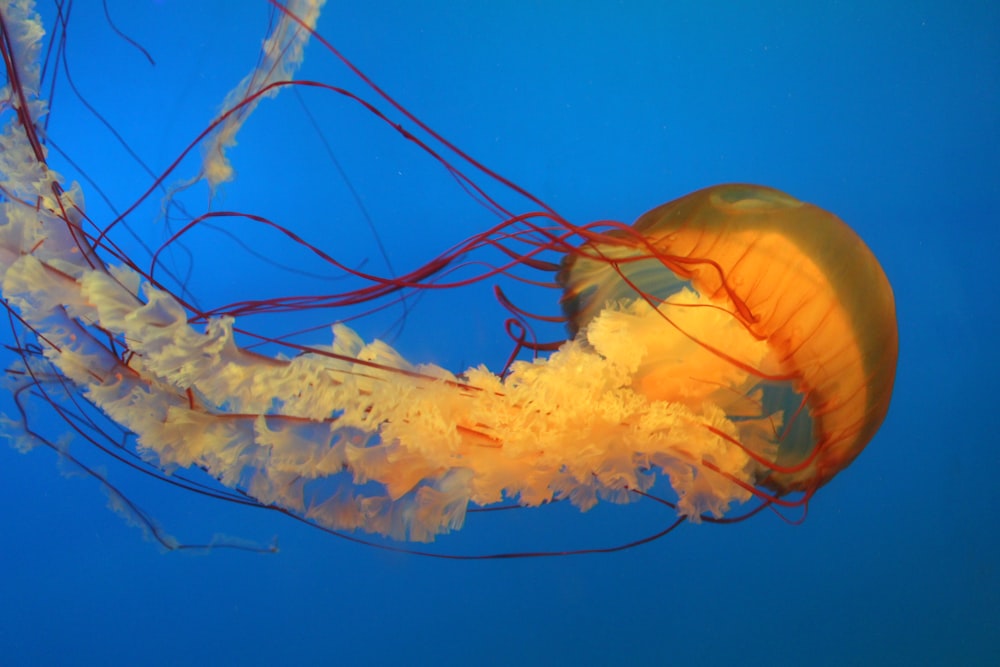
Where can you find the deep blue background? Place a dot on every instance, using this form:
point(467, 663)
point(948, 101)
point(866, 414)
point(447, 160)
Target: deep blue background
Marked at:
point(883, 112)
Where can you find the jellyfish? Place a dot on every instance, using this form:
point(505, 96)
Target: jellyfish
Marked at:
point(731, 345)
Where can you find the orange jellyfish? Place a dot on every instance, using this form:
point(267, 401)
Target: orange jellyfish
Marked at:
point(736, 342)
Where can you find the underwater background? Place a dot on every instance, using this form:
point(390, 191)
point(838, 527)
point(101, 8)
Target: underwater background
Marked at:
point(885, 113)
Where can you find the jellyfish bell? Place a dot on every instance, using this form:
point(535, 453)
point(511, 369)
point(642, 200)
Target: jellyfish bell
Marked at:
point(732, 267)
point(736, 342)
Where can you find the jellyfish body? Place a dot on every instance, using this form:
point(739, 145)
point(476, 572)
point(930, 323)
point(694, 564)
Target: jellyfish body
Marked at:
point(791, 275)
point(735, 341)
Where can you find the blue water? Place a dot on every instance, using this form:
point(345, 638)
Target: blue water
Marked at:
point(883, 112)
